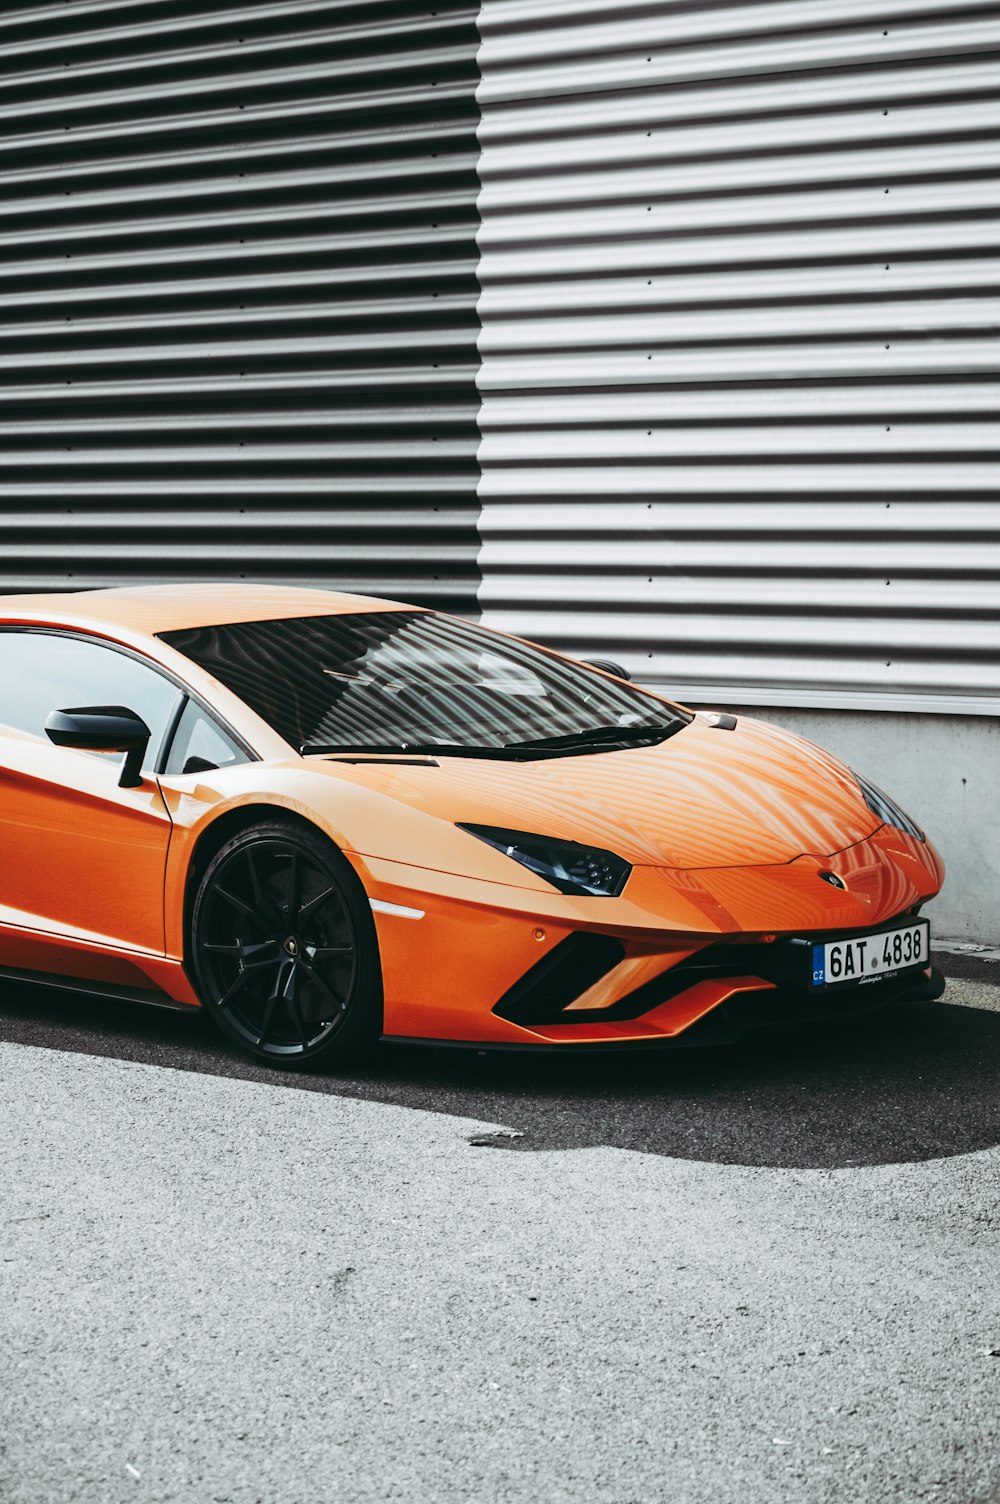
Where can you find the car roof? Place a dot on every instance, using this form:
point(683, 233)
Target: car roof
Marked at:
point(149, 609)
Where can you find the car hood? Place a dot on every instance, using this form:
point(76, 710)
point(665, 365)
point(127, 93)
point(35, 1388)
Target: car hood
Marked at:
point(752, 796)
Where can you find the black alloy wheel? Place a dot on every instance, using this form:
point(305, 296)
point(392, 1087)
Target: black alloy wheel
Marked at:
point(284, 948)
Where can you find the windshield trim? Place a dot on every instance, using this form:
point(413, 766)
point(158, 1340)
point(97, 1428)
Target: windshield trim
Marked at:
point(420, 752)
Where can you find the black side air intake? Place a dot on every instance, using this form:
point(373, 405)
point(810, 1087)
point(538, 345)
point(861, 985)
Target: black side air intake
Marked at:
point(560, 977)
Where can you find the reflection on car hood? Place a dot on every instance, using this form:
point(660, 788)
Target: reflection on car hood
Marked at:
point(753, 796)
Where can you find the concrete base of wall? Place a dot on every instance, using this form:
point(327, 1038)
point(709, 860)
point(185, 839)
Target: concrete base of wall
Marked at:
point(945, 772)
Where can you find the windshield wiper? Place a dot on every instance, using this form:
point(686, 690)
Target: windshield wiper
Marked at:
point(599, 736)
point(399, 749)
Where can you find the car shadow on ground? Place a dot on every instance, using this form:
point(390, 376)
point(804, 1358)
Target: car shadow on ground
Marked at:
point(918, 1082)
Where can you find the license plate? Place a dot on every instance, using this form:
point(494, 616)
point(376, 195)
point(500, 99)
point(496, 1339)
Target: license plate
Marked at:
point(866, 958)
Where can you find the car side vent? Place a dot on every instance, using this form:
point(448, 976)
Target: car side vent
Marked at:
point(559, 978)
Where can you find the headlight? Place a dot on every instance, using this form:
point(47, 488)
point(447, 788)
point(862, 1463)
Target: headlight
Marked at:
point(887, 810)
point(566, 865)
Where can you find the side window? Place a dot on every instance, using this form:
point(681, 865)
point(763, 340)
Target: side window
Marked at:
point(199, 744)
point(42, 671)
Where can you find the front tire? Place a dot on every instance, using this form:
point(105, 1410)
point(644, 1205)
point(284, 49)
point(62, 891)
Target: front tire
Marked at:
point(284, 949)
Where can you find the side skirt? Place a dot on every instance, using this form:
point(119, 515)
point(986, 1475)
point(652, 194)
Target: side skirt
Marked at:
point(148, 998)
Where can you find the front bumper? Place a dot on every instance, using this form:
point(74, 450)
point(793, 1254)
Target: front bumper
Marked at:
point(473, 962)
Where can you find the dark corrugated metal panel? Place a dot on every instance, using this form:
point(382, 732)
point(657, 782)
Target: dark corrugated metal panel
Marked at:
point(741, 372)
point(238, 310)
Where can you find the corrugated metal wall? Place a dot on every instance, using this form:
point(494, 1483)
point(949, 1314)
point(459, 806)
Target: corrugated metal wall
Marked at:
point(237, 307)
point(740, 275)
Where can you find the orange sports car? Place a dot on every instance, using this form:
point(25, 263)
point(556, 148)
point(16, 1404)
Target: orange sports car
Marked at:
point(329, 819)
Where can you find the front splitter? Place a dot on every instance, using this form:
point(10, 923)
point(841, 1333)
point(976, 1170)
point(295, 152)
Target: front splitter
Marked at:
point(742, 1014)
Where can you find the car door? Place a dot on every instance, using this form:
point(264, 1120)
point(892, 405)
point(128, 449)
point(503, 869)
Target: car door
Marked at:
point(80, 857)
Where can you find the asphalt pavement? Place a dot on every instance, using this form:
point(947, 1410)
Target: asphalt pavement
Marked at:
point(767, 1272)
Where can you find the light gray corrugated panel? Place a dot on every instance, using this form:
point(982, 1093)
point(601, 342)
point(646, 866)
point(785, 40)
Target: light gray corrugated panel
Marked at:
point(813, 96)
point(615, 61)
point(974, 276)
point(814, 321)
point(875, 239)
point(543, 146)
point(793, 590)
point(937, 357)
point(899, 442)
point(238, 314)
point(850, 400)
point(819, 170)
point(741, 365)
point(767, 521)
point(823, 475)
point(648, 218)
point(513, 30)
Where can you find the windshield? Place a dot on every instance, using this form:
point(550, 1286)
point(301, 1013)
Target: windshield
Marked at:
point(415, 682)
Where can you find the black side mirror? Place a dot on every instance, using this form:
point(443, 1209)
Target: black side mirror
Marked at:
point(103, 728)
point(607, 667)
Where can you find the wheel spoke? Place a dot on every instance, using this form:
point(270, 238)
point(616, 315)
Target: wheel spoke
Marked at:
point(318, 982)
point(294, 894)
point(272, 1000)
point(288, 985)
point(252, 966)
point(247, 953)
point(308, 910)
point(326, 952)
point(237, 903)
point(265, 1026)
point(293, 1005)
point(265, 907)
point(241, 980)
point(283, 979)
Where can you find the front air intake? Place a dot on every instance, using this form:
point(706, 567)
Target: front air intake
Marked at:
point(559, 978)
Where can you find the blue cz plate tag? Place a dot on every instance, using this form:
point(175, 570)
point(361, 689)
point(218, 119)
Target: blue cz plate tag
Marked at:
point(866, 958)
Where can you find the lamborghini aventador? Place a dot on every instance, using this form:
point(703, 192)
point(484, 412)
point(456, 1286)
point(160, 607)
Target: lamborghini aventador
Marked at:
point(328, 820)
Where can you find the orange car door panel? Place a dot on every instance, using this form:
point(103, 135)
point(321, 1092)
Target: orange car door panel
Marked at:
point(79, 856)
